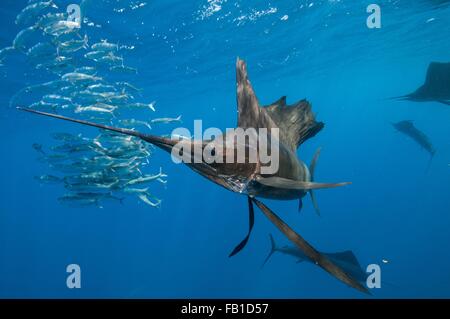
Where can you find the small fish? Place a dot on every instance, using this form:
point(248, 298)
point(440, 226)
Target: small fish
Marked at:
point(21, 39)
point(92, 177)
point(59, 65)
point(99, 196)
point(126, 85)
point(93, 109)
point(133, 123)
point(104, 45)
point(127, 151)
point(101, 88)
point(62, 27)
point(49, 19)
point(74, 148)
point(110, 58)
point(48, 179)
point(50, 86)
point(105, 106)
point(135, 190)
point(80, 77)
point(56, 158)
point(73, 199)
point(33, 10)
point(150, 106)
point(5, 52)
point(113, 138)
point(86, 96)
point(73, 45)
point(94, 55)
point(91, 186)
point(125, 164)
point(117, 98)
point(166, 120)
point(145, 198)
point(57, 99)
point(41, 49)
point(67, 137)
point(146, 179)
point(38, 148)
point(68, 90)
point(41, 105)
point(86, 70)
point(99, 160)
point(131, 144)
point(123, 69)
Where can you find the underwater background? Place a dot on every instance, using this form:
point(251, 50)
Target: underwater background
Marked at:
point(395, 213)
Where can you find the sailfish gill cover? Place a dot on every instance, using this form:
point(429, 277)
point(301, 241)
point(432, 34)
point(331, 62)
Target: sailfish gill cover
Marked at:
point(137, 225)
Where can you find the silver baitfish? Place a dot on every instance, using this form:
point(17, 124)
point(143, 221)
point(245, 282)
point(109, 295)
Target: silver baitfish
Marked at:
point(33, 10)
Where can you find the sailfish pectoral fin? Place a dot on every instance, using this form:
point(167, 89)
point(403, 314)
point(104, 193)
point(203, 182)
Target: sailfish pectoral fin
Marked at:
point(251, 216)
point(279, 182)
point(318, 258)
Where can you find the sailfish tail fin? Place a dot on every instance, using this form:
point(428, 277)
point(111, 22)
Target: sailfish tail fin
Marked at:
point(273, 248)
point(312, 168)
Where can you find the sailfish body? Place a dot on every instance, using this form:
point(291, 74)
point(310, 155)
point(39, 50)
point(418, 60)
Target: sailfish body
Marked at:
point(292, 180)
point(296, 123)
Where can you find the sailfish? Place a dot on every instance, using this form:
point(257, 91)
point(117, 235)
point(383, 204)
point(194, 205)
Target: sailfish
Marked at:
point(436, 86)
point(292, 181)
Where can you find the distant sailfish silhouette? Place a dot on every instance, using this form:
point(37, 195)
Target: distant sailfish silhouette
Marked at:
point(292, 181)
point(436, 87)
point(345, 259)
point(408, 128)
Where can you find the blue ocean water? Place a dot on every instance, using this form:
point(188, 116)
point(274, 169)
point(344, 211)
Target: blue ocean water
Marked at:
point(395, 213)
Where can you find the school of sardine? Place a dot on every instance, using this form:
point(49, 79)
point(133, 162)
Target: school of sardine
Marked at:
point(108, 167)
